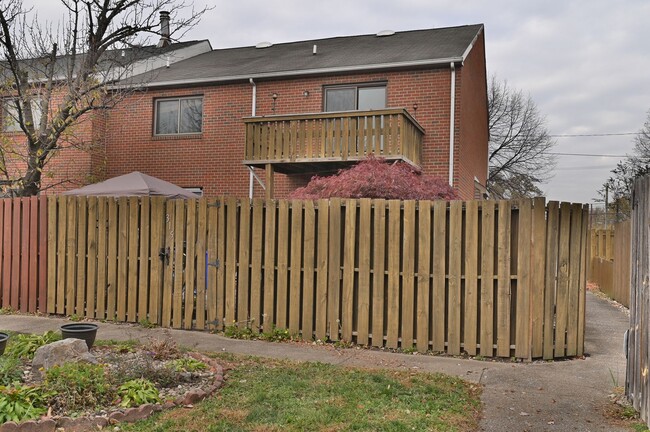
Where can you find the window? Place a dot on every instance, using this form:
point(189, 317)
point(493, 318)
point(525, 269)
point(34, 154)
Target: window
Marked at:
point(10, 120)
point(179, 116)
point(358, 97)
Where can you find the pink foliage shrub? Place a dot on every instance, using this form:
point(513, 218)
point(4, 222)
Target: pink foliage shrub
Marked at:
point(375, 178)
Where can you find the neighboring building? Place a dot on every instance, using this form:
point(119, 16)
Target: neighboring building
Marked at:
point(288, 111)
point(81, 156)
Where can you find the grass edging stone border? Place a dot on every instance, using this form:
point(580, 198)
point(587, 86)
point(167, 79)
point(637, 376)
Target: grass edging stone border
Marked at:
point(128, 415)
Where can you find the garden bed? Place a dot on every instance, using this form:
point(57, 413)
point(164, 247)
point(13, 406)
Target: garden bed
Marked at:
point(128, 382)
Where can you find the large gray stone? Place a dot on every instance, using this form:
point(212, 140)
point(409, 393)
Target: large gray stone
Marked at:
point(60, 352)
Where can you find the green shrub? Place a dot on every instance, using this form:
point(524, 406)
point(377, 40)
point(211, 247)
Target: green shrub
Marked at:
point(276, 335)
point(11, 370)
point(138, 392)
point(78, 386)
point(236, 332)
point(18, 403)
point(25, 345)
point(187, 364)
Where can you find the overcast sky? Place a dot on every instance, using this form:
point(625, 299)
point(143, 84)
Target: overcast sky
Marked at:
point(586, 63)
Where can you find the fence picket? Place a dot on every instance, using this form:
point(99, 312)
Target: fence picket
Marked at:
point(243, 269)
point(504, 284)
point(393, 298)
point(24, 292)
point(423, 280)
point(269, 267)
point(15, 252)
point(309, 286)
point(378, 275)
point(82, 204)
point(575, 262)
point(538, 230)
point(523, 311)
point(70, 252)
point(471, 277)
point(282, 280)
point(257, 248)
point(102, 256)
point(144, 262)
point(168, 265)
point(550, 294)
point(454, 288)
point(322, 271)
point(201, 263)
point(562, 305)
point(365, 235)
point(334, 269)
point(91, 275)
point(487, 278)
point(122, 259)
point(132, 279)
point(408, 275)
point(295, 291)
point(211, 283)
point(157, 261)
point(190, 291)
point(439, 271)
point(349, 249)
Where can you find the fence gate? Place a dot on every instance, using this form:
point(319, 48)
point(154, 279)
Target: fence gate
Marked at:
point(136, 260)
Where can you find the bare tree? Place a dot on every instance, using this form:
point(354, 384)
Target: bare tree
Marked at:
point(54, 75)
point(617, 190)
point(519, 159)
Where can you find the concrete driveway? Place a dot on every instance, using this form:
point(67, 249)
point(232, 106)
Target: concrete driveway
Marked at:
point(542, 396)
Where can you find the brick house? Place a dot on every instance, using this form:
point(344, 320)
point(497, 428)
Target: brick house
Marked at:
point(264, 119)
point(81, 157)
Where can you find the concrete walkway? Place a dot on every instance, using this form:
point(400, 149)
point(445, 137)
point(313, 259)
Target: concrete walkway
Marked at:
point(553, 396)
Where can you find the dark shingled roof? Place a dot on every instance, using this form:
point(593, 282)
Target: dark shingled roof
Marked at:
point(367, 52)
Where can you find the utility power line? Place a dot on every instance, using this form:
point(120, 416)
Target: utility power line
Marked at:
point(588, 155)
point(594, 135)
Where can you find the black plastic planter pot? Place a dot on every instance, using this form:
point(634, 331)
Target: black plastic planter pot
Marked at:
point(4, 337)
point(83, 331)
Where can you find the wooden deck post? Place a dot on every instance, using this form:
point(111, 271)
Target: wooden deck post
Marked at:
point(269, 181)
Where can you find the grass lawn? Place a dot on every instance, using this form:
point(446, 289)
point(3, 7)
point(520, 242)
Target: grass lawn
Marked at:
point(273, 395)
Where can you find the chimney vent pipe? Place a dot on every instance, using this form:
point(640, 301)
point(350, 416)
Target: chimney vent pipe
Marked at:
point(165, 34)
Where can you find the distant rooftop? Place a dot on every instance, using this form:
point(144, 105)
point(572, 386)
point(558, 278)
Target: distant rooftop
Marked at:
point(384, 50)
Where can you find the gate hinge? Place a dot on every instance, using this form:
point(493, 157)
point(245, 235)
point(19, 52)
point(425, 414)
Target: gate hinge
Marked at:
point(214, 263)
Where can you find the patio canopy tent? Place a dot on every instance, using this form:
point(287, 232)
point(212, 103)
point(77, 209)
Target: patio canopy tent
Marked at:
point(134, 184)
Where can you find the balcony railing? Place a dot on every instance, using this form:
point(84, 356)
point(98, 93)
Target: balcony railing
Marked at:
point(332, 137)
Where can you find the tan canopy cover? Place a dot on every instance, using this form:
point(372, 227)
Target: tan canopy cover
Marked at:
point(133, 184)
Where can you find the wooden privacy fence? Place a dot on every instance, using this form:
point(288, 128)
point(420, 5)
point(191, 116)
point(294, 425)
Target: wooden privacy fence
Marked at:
point(610, 261)
point(23, 254)
point(490, 278)
point(637, 387)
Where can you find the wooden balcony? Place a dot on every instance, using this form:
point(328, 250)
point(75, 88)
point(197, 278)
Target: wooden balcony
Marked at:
point(321, 142)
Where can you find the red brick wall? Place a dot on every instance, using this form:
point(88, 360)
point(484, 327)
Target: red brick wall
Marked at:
point(472, 156)
point(212, 160)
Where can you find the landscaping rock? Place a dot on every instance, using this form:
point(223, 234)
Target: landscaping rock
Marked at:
point(9, 427)
point(38, 426)
point(192, 397)
point(60, 352)
point(132, 415)
point(115, 417)
point(82, 424)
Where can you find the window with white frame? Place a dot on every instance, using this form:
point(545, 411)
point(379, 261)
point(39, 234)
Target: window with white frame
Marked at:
point(178, 116)
point(10, 117)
